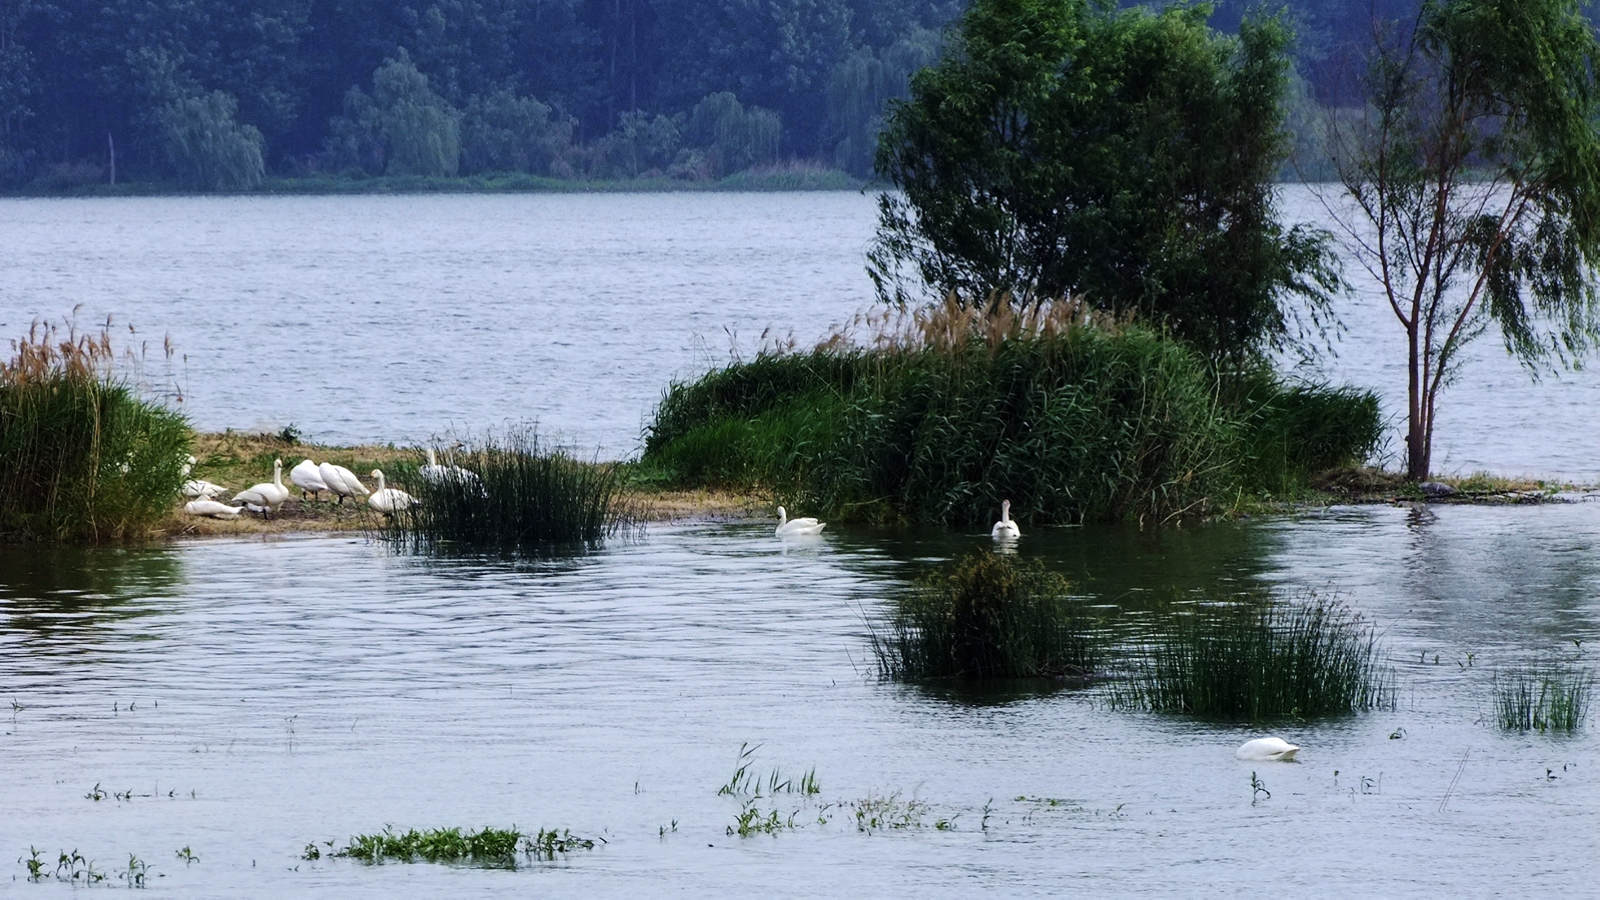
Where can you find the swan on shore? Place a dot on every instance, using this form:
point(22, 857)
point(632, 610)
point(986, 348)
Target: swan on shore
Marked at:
point(201, 489)
point(341, 481)
point(788, 527)
point(211, 508)
point(267, 495)
point(308, 477)
point(1268, 748)
point(1005, 529)
point(388, 500)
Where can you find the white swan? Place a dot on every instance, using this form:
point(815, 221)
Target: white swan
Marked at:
point(1005, 529)
point(307, 477)
point(1267, 749)
point(433, 473)
point(267, 495)
point(188, 466)
point(201, 489)
point(788, 527)
point(211, 508)
point(342, 481)
point(388, 500)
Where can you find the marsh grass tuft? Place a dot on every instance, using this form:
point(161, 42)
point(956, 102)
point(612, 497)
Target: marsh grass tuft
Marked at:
point(527, 497)
point(987, 615)
point(499, 848)
point(1248, 662)
point(1552, 696)
point(84, 458)
point(745, 782)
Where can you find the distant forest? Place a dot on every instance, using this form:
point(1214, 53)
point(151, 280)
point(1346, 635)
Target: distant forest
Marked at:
point(217, 94)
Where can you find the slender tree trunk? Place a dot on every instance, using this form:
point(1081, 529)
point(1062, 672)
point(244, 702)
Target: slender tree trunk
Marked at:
point(111, 154)
point(1418, 431)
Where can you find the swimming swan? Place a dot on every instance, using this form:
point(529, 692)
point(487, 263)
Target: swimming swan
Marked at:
point(388, 500)
point(307, 477)
point(1267, 749)
point(1005, 529)
point(342, 481)
point(788, 527)
point(211, 508)
point(267, 495)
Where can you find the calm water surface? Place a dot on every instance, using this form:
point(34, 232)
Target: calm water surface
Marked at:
point(307, 689)
point(399, 318)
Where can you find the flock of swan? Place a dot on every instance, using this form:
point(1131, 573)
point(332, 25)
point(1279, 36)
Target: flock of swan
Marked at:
point(312, 479)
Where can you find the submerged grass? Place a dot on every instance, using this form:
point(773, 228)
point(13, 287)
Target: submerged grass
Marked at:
point(1255, 663)
point(521, 497)
point(987, 616)
point(84, 458)
point(501, 848)
point(937, 416)
point(1553, 696)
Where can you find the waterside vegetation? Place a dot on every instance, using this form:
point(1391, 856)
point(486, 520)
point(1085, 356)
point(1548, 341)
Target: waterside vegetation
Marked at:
point(1553, 696)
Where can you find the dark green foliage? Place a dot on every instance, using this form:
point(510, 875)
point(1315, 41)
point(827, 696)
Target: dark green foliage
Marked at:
point(208, 148)
point(987, 616)
point(1259, 663)
point(1549, 697)
point(522, 497)
point(507, 133)
point(81, 457)
point(497, 848)
point(1063, 148)
point(1088, 423)
point(403, 128)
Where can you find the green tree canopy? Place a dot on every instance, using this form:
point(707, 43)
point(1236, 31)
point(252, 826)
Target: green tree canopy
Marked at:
point(1124, 157)
point(208, 148)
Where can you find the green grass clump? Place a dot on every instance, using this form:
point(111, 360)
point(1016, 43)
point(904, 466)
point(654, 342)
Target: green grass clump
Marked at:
point(1549, 697)
point(987, 616)
point(499, 848)
point(81, 457)
point(1253, 663)
point(941, 416)
point(522, 497)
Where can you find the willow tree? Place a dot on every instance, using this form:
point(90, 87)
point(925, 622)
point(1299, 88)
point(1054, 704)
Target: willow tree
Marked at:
point(1474, 177)
point(1127, 157)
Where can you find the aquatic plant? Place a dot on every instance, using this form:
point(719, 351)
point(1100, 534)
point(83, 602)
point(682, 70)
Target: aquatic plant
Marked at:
point(490, 847)
point(524, 497)
point(85, 459)
point(744, 782)
point(986, 615)
point(1552, 696)
point(936, 416)
point(1260, 661)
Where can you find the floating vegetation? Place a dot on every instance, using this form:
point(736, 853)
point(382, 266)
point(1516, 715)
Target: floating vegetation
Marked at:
point(76, 869)
point(987, 616)
point(1254, 663)
point(496, 848)
point(751, 820)
point(1552, 696)
point(85, 459)
point(887, 812)
point(744, 782)
point(515, 495)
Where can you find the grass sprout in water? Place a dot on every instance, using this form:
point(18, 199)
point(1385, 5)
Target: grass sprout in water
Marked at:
point(1250, 663)
point(987, 616)
point(498, 848)
point(744, 782)
point(1553, 696)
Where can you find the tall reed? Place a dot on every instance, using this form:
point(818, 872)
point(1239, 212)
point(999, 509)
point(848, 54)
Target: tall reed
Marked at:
point(1553, 696)
point(522, 497)
point(81, 457)
point(1255, 663)
point(987, 616)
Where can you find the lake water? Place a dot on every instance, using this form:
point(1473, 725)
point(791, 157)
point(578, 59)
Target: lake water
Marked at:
point(255, 696)
point(378, 319)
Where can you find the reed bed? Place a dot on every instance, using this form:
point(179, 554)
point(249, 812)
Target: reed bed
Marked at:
point(935, 416)
point(1552, 696)
point(1261, 663)
point(500, 848)
point(523, 497)
point(987, 616)
point(81, 457)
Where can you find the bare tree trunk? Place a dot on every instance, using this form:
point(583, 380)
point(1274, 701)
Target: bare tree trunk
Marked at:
point(111, 154)
point(1418, 431)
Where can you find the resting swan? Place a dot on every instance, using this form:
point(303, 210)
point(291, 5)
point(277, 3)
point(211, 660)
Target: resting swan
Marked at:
point(388, 500)
point(342, 481)
point(433, 473)
point(211, 508)
point(267, 495)
point(201, 489)
point(1270, 748)
point(1005, 529)
point(788, 527)
point(307, 477)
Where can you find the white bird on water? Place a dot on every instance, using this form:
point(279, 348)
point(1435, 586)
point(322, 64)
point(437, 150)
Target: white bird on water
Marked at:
point(211, 508)
point(308, 477)
point(342, 481)
point(1269, 748)
point(1005, 529)
point(788, 527)
point(388, 500)
point(268, 496)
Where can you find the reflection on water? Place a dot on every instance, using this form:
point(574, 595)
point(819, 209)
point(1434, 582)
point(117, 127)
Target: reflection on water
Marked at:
point(310, 688)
